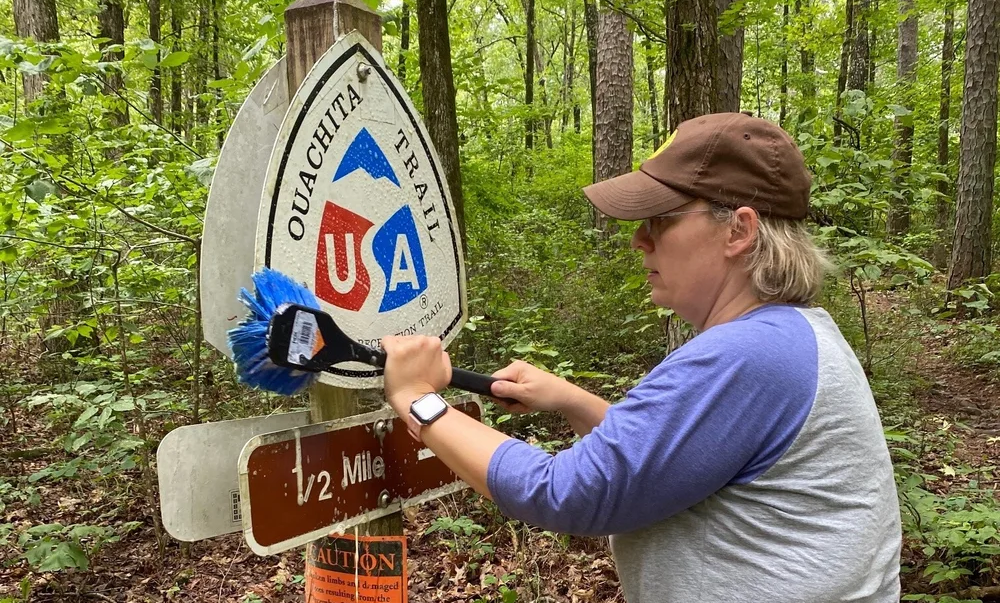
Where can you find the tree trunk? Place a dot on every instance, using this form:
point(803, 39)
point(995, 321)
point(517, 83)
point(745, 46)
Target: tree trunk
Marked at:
point(807, 67)
point(38, 20)
point(592, 23)
point(217, 69)
point(111, 23)
point(860, 67)
point(845, 55)
point(783, 111)
point(942, 213)
point(970, 254)
point(730, 65)
point(898, 222)
point(404, 43)
point(438, 87)
point(654, 116)
point(613, 121)
point(155, 79)
point(176, 116)
point(692, 64)
point(200, 75)
point(569, 71)
point(529, 75)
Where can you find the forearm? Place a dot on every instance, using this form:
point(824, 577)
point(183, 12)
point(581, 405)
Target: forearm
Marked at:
point(465, 446)
point(585, 411)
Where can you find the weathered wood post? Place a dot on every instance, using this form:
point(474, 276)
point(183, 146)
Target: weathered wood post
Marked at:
point(312, 27)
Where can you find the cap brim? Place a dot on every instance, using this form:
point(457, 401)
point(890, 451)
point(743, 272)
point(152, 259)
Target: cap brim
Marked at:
point(635, 196)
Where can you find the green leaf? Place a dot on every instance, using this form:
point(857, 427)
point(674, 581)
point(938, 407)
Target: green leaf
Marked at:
point(149, 59)
point(8, 255)
point(85, 416)
point(123, 406)
point(22, 131)
point(39, 189)
point(175, 58)
point(253, 50)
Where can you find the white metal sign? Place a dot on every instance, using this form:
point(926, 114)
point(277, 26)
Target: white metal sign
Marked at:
point(199, 481)
point(227, 248)
point(356, 207)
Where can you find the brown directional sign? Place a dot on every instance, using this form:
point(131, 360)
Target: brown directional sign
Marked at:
point(300, 484)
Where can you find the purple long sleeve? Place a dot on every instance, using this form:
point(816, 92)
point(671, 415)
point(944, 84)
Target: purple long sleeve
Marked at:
point(720, 410)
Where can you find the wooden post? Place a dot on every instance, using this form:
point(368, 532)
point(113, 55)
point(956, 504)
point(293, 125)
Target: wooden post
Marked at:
point(312, 27)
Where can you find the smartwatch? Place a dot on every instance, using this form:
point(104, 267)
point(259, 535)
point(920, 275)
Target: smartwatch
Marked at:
point(424, 411)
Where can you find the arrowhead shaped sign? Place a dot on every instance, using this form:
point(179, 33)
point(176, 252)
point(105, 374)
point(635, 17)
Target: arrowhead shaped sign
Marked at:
point(356, 207)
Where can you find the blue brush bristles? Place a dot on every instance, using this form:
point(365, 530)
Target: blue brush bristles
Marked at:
point(249, 340)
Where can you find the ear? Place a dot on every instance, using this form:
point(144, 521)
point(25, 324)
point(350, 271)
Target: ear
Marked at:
point(743, 233)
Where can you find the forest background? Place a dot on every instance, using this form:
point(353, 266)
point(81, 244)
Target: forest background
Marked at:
point(112, 114)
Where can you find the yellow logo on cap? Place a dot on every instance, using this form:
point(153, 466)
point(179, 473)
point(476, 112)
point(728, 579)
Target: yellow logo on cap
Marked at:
point(666, 143)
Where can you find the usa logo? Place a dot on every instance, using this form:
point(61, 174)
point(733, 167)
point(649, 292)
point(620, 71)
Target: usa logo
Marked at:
point(355, 207)
point(341, 277)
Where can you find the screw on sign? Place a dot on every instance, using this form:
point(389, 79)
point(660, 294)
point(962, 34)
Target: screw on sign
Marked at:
point(300, 484)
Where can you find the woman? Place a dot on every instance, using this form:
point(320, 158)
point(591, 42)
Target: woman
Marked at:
point(750, 464)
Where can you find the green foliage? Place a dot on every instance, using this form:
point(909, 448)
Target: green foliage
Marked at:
point(54, 547)
point(464, 534)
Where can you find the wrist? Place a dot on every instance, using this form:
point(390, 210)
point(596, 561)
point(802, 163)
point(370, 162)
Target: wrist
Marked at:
point(401, 399)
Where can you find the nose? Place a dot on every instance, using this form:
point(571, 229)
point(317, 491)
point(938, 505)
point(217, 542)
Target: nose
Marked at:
point(640, 239)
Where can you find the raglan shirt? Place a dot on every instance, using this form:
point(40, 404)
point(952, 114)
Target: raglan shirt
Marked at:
point(749, 465)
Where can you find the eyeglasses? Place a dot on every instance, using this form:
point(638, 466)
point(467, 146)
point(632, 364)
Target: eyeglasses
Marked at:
point(648, 222)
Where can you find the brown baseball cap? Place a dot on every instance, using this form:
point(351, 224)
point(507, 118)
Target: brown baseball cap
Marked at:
point(730, 158)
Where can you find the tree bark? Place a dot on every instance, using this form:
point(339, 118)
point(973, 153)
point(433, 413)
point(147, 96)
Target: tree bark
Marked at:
point(654, 115)
point(692, 64)
point(807, 68)
point(569, 71)
point(38, 20)
point(592, 23)
point(155, 80)
point(845, 55)
point(613, 121)
point(898, 222)
point(111, 23)
point(404, 43)
point(860, 67)
point(217, 68)
point(730, 65)
point(970, 254)
point(176, 117)
point(942, 213)
point(529, 74)
point(783, 110)
point(438, 87)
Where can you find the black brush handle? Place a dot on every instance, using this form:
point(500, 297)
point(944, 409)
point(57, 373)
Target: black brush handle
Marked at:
point(476, 383)
point(470, 381)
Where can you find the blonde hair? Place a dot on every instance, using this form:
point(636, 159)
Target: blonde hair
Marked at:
point(784, 263)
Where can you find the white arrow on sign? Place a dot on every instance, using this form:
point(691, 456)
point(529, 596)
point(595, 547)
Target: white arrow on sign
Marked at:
point(227, 246)
point(197, 469)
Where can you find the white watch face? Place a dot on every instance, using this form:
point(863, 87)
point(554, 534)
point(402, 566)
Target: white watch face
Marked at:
point(428, 408)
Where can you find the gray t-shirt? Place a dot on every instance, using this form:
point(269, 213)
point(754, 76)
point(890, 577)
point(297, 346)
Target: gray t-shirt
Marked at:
point(750, 465)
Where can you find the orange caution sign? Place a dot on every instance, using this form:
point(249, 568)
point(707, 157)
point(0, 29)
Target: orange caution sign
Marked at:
point(369, 569)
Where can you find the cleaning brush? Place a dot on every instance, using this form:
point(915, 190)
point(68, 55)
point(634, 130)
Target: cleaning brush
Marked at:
point(286, 340)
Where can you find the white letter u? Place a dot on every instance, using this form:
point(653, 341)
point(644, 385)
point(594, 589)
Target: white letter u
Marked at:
point(341, 286)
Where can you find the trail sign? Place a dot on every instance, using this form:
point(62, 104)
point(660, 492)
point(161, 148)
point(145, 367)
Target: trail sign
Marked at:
point(227, 247)
point(301, 484)
point(355, 206)
point(199, 484)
